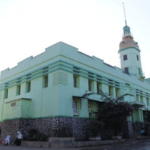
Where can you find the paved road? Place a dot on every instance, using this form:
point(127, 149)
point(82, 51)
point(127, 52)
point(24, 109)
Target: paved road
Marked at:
point(128, 145)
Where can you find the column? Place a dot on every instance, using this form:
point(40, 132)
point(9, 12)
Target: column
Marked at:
point(84, 110)
point(114, 92)
point(105, 88)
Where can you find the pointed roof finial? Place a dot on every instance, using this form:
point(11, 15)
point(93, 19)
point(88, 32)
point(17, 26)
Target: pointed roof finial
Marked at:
point(124, 14)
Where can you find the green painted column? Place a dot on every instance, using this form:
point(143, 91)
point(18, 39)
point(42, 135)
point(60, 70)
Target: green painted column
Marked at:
point(114, 92)
point(105, 88)
point(84, 112)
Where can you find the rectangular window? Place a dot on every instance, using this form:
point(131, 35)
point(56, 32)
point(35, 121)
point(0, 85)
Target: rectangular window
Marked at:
point(110, 90)
point(99, 87)
point(28, 86)
point(125, 57)
point(13, 104)
point(18, 89)
point(76, 81)
point(117, 93)
point(137, 98)
point(126, 70)
point(45, 81)
point(76, 107)
point(137, 57)
point(6, 93)
point(90, 83)
point(139, 69)
point(141, 97)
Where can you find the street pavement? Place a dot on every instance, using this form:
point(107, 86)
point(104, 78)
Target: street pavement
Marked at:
point(127, 145)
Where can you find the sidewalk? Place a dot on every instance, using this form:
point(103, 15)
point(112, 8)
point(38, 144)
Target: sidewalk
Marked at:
point(125, 142)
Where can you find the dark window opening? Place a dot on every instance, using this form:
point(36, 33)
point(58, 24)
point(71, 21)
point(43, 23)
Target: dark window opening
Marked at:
point(18, 89)
point(90, 84)
point(6, 93)
point(28, 87)
point(46, 81)
point(76, 81)
point(125, 57)
point(126, 70)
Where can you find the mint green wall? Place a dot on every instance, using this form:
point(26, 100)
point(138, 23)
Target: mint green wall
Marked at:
point(25, 108)
point(56, 99)
point(12, 112)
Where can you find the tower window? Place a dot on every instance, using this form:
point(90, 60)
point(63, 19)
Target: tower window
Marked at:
point(137, 57)
point(125, 57)
point(126, 70)
point(140, 71)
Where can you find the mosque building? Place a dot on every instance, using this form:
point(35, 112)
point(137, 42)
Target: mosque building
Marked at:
point(46, 92)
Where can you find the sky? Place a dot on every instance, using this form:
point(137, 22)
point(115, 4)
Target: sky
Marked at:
point(95, 27)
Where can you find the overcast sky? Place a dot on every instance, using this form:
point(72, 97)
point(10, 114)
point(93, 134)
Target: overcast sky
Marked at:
point(95, 27)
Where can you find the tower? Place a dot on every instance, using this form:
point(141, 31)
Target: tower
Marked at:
point(130, 54)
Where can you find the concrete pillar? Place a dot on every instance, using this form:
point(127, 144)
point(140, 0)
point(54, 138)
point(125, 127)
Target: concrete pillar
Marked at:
point(114, 92)
point(118, 94)
point(105, 88)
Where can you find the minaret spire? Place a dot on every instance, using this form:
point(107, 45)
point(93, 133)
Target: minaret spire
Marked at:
point(126, 28)
point(124, 14)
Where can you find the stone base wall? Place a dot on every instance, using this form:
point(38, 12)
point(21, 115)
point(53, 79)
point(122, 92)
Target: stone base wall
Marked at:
point(57, 127)
point(137, 127)
point(9, 127)
point(62, 127)
point(51, 127)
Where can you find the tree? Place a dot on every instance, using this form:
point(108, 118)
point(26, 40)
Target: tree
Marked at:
point(113, 113)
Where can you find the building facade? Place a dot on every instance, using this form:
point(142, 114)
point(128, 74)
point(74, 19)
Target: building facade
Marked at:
point(46, 92)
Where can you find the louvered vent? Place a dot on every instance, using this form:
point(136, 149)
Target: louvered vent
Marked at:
point(60, 78)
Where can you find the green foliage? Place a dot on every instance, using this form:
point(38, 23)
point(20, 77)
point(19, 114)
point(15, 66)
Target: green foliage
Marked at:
point(114, 112)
